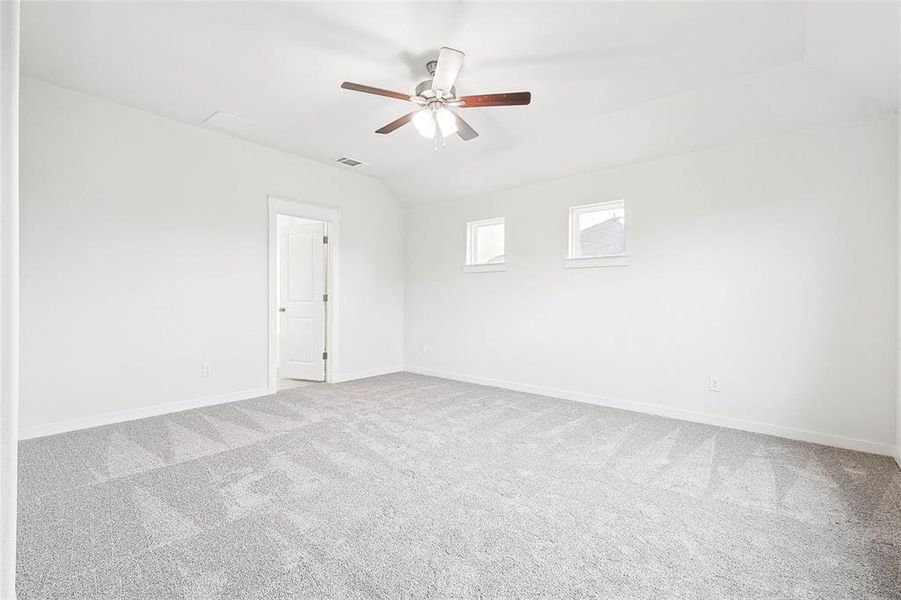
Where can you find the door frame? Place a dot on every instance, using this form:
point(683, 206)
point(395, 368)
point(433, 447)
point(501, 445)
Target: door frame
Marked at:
point(280, 205)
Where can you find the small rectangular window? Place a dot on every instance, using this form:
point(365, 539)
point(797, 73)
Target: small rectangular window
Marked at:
point(597, 230)
point(485, 242)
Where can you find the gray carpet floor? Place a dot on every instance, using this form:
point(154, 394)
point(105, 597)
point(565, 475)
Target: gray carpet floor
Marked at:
point(405, 486)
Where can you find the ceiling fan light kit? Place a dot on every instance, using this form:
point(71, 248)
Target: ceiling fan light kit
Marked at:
point(427, 120)
point(436, 97)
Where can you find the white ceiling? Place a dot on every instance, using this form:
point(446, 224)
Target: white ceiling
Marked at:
point(611, 83)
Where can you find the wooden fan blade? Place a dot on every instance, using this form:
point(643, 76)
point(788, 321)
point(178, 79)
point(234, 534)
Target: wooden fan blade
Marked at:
point(508, 99)
point(397, 123)
point(464, 130)
point(368, 89)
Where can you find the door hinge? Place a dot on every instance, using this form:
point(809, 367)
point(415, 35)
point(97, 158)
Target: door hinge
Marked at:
point(324, 355)
point(325, 297)
point(325, 239)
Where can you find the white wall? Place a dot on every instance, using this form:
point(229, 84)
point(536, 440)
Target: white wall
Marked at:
point(9, 290)
point(144, 254)
point(771, 264)
point(898, 373)
point(898, 347)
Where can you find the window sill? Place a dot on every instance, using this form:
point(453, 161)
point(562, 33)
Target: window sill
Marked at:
point(485, 268)
point(621, 260)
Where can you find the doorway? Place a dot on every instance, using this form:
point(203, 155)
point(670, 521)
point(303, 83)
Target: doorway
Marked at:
point(302, 287)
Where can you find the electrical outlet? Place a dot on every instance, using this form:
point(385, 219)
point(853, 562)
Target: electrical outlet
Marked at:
point(206, 371)
point(713, 383)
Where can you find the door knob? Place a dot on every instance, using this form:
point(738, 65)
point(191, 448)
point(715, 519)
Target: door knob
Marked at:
point(281, 309)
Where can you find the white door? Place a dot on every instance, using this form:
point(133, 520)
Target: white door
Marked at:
point(301, 323)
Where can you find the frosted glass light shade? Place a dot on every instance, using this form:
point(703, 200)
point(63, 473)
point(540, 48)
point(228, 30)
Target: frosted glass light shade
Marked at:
point(446, 121)
point(424, 122)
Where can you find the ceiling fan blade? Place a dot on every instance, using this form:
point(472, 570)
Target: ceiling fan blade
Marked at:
point(486, 100)
point(449, 63)
point(368, 89)
point(464, 130)
point(397, 123)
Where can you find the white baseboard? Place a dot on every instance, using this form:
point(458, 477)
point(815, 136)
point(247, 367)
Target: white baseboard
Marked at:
point(35, 431)
point(342, 377)
point(676, 413)
point(137, 413)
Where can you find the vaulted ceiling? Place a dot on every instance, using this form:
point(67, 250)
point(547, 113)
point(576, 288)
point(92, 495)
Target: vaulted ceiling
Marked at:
point(612, 83)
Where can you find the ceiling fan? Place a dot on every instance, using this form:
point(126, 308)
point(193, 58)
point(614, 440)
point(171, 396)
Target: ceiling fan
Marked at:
point(436, 96)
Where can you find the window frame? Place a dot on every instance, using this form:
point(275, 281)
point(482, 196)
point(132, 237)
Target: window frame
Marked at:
point(575, 239)
point(472, 228)
point(576, 260)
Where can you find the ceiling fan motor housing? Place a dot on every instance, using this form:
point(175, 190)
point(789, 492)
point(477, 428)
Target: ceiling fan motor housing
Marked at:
point(424, 90)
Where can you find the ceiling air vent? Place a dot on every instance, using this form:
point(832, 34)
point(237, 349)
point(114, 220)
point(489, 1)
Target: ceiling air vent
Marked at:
point(344, 160)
